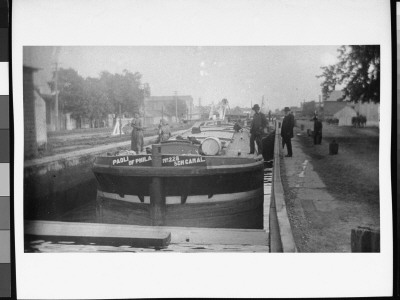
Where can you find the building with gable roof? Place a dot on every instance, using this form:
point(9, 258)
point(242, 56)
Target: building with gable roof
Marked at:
point(345, 116)
point(331, 105)
point(334, 108)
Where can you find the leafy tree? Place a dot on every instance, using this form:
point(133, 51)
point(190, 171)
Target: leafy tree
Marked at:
point(125, 89)
point(70, 91)
point(95, 98)
point(96, 102)
point(309, 108)
point(358, 70)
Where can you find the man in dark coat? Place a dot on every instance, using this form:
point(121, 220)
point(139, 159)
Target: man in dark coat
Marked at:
point(317, 131)
point(257, 129)
point(287, 131)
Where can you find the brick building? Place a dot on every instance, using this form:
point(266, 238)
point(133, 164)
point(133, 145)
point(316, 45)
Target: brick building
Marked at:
point(156, 107)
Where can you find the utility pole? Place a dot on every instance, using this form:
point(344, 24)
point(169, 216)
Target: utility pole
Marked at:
point(120, 121)
point(191, 110)
point(176, 106)
point(56, 102)
point(144, 104)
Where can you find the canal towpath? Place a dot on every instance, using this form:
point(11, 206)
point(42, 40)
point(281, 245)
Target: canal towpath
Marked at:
point(329, 195)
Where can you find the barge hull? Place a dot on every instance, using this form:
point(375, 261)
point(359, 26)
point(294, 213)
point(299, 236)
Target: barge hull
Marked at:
point(244, 212)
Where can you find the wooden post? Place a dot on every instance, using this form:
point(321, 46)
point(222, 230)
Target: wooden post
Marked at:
point(157, 196)
point(365, 239)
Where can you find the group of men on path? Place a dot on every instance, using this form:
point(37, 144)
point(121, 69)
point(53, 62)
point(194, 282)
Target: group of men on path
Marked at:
point(260, 122)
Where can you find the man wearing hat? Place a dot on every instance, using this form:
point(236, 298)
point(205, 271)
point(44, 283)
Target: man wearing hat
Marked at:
point(287, 131)
point(317, 130)
point(257, 129)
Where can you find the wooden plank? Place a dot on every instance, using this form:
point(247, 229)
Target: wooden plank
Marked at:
point(110, 234)
point(47, 247)
point(177, 235)
point(217, 236)
point(216, 248)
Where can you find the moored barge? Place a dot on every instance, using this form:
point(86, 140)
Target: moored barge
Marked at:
point(202, 178)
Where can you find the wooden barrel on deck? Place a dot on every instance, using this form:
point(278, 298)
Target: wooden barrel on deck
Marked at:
point(211, 146)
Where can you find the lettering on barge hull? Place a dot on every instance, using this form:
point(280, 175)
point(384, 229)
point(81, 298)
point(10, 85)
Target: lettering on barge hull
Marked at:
point(182, 161)
point(167, 160)
point(143, 160)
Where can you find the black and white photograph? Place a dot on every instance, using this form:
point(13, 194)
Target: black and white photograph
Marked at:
point(173, 148)
point(217, 146)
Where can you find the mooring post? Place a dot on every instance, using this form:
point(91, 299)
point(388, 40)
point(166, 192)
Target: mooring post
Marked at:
point(157, 196)
point(365, 239)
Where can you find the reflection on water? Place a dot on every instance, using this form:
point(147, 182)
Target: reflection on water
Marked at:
point(87, 213)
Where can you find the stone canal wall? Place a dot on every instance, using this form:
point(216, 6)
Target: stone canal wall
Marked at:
point(281, 236)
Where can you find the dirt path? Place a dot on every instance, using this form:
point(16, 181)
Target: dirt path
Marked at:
point(326, 195)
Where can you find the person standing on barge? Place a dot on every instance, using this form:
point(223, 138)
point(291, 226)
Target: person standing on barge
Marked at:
point(137, 134)
point(257, 129)
point(164, 132)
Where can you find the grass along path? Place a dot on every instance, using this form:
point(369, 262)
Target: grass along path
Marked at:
point(338, 193)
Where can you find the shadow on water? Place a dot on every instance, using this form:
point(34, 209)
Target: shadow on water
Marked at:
point(66, 205)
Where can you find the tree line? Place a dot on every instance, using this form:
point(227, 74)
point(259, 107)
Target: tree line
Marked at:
point(95, 98)
point(358, 70)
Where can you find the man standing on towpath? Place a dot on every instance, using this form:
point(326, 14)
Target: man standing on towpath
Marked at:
point(257, 129)
point(317, 130)
point(287, 131)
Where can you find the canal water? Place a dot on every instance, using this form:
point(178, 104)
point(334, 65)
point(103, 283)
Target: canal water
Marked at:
point(87, 213)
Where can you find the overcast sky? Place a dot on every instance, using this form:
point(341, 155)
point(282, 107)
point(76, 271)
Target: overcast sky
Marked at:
point(284, 75)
